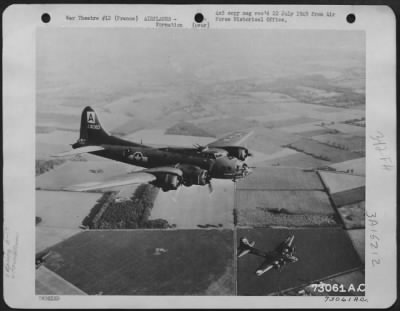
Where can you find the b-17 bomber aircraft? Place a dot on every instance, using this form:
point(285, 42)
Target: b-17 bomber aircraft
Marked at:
point(165, 167)
point(280, 256)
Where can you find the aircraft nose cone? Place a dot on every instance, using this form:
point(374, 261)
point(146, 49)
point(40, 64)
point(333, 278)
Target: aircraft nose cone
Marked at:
point(246, 169)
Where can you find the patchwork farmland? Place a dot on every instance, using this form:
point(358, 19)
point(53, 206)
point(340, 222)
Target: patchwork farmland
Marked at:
point(306, 108)
point(60, 213)
point(322, 151)
point(284, 208)
point(355, 167)
point(147, 262)
point(279, 196)
point(337, 182)
point(297, 160)
point(77, 172)
point(276, 178)
point(297, 200)
point(347, 142)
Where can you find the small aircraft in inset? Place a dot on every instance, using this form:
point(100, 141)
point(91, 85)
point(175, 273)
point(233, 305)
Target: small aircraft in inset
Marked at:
point(167, 167)
point(41, 258)
point(280, 256)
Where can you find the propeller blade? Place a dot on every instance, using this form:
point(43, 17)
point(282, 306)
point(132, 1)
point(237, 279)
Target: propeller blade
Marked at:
point(210, 187)
point(200, 147)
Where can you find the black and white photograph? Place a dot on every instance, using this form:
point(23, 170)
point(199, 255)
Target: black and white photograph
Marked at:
point(162, 155)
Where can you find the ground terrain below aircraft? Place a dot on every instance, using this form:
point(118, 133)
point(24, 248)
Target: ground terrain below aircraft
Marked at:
point(280, 256)
point(165, 167)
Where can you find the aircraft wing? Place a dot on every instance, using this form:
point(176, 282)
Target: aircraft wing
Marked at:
point(233, 139)
point(139, 177)
point(80, 150)
point(267, 265)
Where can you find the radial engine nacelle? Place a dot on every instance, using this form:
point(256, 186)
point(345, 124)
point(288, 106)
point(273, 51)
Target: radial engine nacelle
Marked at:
point(238, 152)
point(193, 175)
point(167, 178)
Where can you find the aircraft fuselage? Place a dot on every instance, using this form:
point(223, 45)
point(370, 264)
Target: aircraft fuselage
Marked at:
point(223, 167)
point(194, 165)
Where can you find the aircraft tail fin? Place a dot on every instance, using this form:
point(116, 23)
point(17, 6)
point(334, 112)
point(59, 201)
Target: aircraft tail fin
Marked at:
point(91, 131)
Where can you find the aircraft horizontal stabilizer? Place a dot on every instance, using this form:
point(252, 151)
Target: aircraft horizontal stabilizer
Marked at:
point(133, 178)
point(263, 268)
point(80, 150)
